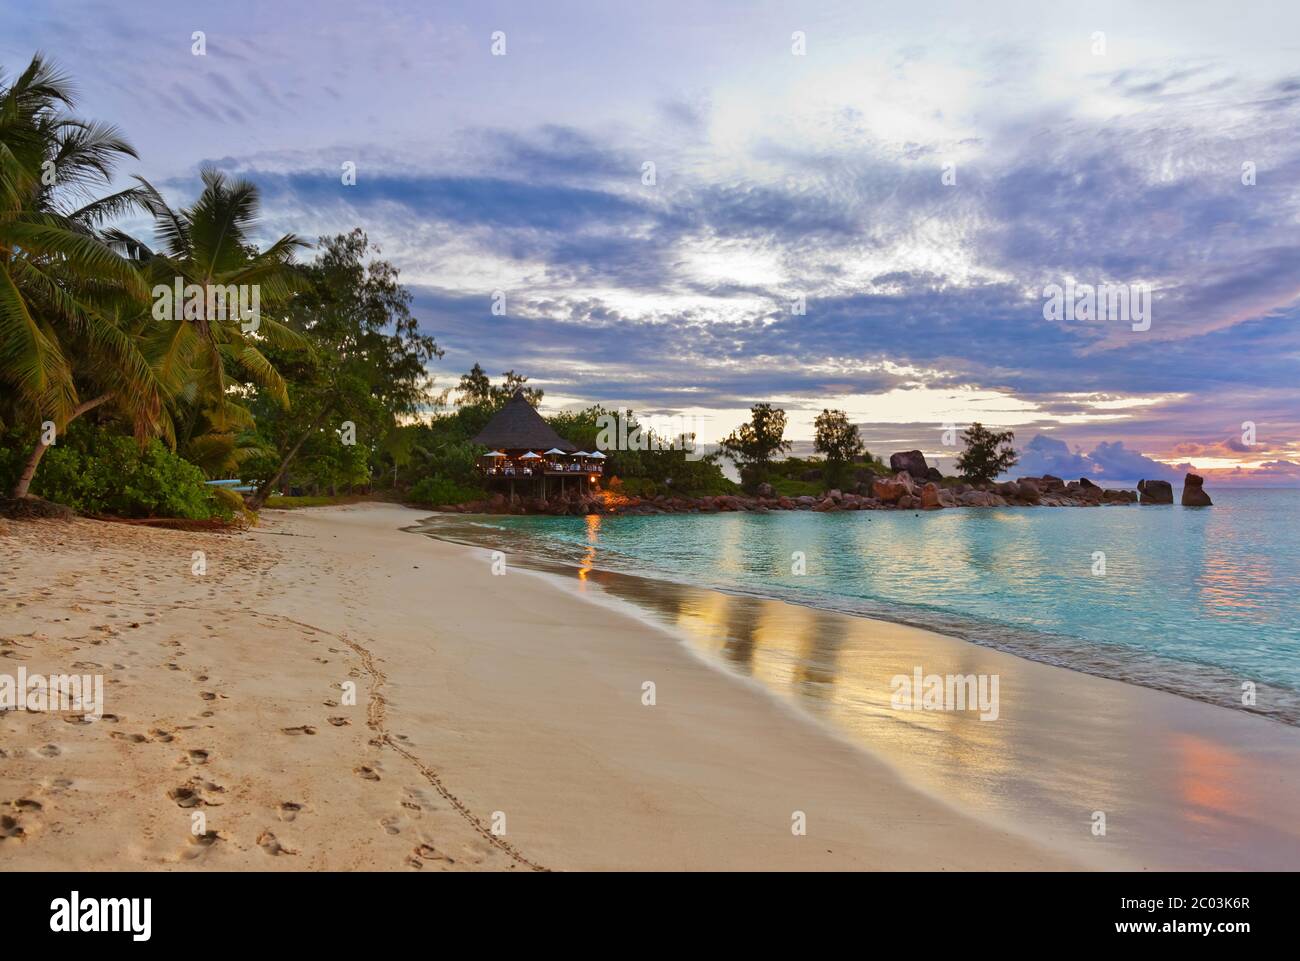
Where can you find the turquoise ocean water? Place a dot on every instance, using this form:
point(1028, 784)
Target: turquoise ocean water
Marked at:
point(1194, 601)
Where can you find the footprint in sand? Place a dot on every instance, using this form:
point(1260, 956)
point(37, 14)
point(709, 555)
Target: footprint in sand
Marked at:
point(49, 750)
point(199, 843)
point(271, 845)
point(196, 756)
point(158, 734)
point(190, 795)
point(301, 729)
point(366, 773)
point(339, 721)
point(425, 852)
point(289, 810)
point(129, 738)
point(10, 828)
point(390, 825)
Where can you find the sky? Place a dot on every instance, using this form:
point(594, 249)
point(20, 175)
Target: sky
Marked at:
point(852, 205)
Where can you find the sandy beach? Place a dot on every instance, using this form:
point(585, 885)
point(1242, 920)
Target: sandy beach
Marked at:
point(499, 724)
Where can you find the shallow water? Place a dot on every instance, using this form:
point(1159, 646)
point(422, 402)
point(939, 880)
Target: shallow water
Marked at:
point(1194, 601)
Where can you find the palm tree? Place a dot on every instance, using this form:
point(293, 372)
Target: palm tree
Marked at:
point(67, 299)
point(200, 359)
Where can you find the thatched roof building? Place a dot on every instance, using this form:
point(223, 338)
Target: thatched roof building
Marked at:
point(518, 426)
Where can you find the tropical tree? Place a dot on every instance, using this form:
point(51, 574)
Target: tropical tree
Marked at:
point(752, 446)
point(836, 439)
point(366, 367)
point(988, 453)
point(477, 390)
point(69, 304)
point(203, 346)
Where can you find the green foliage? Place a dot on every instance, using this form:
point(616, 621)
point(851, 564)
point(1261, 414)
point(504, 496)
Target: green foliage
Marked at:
point(641, 459)
point(787, 476)
point(364, 364)
point(95, 471)
point(68, 301)
point(988, 453)
point(753, 445)
point(634, 486)
point(436, 491)
point(477, 390)
point(790, 487)
point(839, 441)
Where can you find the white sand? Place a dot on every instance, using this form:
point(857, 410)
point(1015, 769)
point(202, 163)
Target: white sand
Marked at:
point(480, 699)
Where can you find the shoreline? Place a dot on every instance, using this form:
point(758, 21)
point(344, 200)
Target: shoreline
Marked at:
point(1196, 681)
point(480, 695)
point(924, 766)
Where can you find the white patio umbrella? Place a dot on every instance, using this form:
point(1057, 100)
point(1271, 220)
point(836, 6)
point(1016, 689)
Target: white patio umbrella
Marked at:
point(555, 450)
point(530, 456)
point(494, 453)
point(580, 453)
point(597, 454)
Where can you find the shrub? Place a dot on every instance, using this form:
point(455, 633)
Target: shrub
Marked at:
point(97, 472)
point(436, 491)
point(633, 486)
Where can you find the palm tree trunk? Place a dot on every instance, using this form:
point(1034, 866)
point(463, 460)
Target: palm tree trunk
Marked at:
point(29, 470)
point(258, 500)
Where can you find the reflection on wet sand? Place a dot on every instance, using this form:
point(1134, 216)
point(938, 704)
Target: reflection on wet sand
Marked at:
point(1051, 759)
point(1182, 784)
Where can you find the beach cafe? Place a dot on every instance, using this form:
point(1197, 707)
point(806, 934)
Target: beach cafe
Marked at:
point(523, 447)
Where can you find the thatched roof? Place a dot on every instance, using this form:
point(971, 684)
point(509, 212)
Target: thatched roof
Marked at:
point(518, 425)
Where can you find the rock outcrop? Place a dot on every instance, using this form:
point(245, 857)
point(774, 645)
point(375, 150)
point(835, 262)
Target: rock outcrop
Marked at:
point(911, 461)
point(1194, 492)
point(930, 497)
point(1156, 492)
point(900, 492)
point(890, 489)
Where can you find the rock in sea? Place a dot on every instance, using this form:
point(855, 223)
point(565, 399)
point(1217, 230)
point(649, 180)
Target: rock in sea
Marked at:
point(1194, 492)
point(1156, 492)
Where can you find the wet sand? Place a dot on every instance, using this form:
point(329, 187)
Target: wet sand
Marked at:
point(500, 723)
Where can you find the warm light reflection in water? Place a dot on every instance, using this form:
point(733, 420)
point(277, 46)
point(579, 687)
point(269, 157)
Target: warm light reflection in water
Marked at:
point(588, 562)
point(1229, 586)
point(841, 668)
point(1210, 781)
point(1053, 756)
